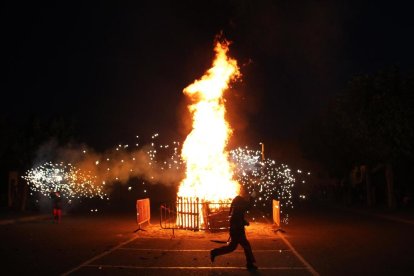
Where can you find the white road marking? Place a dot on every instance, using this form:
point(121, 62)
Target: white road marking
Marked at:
point(100, 256)
point(120, 247)
point(383, 216)
point(390, 218)
point(307, 265)
point(197, 250)
point(198, 267)
point(23, 219)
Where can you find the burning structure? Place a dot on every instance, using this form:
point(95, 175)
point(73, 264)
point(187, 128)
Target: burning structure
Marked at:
point(209, 183)
point(212, 175)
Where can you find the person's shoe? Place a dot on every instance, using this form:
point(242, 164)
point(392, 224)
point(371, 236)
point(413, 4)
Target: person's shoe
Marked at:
point(212, 256)
point(251, 267)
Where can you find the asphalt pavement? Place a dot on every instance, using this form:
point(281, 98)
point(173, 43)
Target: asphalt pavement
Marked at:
point(319, 240)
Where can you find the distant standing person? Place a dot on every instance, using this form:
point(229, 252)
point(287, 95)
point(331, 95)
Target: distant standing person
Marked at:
point(238, 208)
point(57, 206)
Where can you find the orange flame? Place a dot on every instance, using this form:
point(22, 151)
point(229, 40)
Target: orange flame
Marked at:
point(209, 173)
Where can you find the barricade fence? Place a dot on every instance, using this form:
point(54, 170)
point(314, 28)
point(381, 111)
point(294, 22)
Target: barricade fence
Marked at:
point(276, 212)
point(143, 211)
point(193, 214)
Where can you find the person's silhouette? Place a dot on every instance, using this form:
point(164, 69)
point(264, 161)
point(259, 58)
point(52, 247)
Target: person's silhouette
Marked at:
point(238, 208)
point(57, 206)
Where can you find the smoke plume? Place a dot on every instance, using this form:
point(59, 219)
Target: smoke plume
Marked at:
point(151, 163)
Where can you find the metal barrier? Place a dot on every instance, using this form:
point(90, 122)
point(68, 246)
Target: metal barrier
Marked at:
point(276, 212)
point(192, 214)
point(143, 212)
point(276, 216)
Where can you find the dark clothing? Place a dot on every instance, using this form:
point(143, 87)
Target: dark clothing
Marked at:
point(239, 206)
point(57, 206)
point(235, 240)
point(237, 234)
point(57, 200)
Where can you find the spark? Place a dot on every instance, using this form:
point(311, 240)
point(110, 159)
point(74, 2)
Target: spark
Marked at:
point(66, 178)
point(270, 179)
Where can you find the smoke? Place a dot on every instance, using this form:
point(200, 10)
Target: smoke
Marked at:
point(155, 164)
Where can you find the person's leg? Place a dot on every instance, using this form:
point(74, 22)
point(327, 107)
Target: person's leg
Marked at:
point(250, 260)
point(224, 249)
point(59, 214)
point(54, 214)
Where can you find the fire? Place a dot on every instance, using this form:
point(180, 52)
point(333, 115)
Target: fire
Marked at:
point(209, 174)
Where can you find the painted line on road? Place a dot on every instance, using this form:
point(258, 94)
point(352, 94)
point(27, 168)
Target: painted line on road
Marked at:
point(308, 266)
point(395, 219)
point(392, 218)
point(382, 216)
point(99, 256)
point(23, 219)
point(197, 250)
point(9, 221)
point(197, 267)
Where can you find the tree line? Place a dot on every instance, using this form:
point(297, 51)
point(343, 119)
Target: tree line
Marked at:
point(19, 145)
point(367, 128)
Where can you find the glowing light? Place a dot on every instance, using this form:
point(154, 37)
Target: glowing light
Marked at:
point(66, 178)
point(208, 171)
point(270, 179)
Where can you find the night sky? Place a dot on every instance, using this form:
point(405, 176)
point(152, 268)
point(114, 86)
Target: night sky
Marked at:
point(119, 70)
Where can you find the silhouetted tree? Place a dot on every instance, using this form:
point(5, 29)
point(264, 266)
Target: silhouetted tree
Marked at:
point(23, 142)
point(369, 124)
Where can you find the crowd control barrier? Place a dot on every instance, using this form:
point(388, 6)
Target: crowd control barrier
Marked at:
point(276, 216)
point(276, 212)
point(143, 212)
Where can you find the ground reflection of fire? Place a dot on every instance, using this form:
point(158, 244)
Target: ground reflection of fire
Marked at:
point(209, 175)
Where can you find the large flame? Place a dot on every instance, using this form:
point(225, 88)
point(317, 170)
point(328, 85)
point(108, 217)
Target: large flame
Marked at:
point(209, 173)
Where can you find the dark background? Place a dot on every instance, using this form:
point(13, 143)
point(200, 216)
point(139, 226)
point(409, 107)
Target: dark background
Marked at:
point(118, 70)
